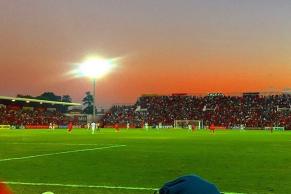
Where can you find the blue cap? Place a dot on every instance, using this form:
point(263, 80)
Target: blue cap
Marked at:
point(190, 184)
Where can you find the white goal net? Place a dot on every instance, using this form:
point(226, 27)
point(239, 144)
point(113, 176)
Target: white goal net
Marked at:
point(185, 123)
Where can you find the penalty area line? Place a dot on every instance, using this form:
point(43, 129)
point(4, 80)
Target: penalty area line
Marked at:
point(60, 153)
point(92, 186)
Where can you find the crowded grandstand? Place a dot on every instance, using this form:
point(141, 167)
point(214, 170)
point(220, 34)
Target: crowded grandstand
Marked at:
point(250, 110)
point(35, 113)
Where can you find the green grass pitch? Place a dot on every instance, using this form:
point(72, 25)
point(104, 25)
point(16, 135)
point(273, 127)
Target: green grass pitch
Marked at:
point(246, 162)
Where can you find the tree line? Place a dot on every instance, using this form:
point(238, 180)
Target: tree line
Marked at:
point(51, 96)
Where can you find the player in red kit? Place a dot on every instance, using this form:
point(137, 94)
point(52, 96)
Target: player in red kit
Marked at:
point(116, 127)
point(70, 127)
point(212, 127)
point(193, 128)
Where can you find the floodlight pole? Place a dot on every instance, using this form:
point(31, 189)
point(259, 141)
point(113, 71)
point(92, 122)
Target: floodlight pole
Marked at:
point(94, 98)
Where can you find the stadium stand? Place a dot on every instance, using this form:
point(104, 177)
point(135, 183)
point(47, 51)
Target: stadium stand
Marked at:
point(18, 116)
point(33, 113)
point(251, 110)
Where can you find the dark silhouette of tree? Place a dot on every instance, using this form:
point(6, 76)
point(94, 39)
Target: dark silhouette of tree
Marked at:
point(66, 98)
point(24, 96)
point(49, 96)
point(52, 97)
point(88, 103)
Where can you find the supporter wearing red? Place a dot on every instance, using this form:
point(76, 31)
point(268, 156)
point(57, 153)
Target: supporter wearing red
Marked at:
point(227, 111)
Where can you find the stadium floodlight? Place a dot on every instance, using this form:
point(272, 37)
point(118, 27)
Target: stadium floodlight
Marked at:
point(95, 68)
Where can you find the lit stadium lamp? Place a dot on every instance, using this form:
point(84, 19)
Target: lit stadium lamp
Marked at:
point(95, 68)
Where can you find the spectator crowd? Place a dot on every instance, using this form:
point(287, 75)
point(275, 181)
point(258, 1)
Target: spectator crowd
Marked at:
point(253, 111)
point(21, 117)
point(228, 111)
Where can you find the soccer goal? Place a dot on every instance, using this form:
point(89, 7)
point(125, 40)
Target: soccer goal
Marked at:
point(184, 124)
point(279, 128)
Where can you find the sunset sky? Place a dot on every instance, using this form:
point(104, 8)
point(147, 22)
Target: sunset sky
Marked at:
point(163, 46)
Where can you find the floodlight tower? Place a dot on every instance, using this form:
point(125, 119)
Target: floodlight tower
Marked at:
point(95, 68)
point(94, 99)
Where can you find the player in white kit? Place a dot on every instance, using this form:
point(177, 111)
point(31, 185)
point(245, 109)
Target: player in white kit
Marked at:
point(146, 125)
point(189, 127)
point(93, 127)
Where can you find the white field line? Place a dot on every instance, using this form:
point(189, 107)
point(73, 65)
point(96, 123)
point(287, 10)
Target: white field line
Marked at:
point(92, 186)
point(51, 143)
point(80, 186)
point(59, 153)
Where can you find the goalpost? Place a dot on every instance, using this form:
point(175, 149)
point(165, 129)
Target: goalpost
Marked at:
point(279, 128)
point(275, 128)
point(184, 123)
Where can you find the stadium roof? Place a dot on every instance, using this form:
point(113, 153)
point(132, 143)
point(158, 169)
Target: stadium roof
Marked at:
point(39, 101)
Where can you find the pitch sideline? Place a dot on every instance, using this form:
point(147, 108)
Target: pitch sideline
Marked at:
point(92, 186)
point(52, 143)
point(60, 153)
